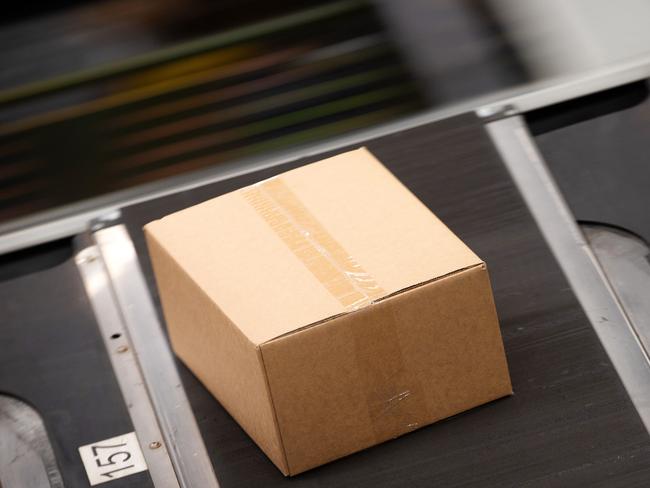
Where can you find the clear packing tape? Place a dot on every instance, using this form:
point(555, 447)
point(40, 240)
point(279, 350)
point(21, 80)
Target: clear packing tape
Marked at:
point(303, 234)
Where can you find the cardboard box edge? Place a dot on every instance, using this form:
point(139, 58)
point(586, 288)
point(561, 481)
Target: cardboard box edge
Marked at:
point(387, 297)
point(285, 469)
point(150, 237)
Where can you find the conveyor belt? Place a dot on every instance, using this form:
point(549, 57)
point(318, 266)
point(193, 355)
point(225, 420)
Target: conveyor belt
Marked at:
point(570, 422)
point(597, 147)
point(53, 358)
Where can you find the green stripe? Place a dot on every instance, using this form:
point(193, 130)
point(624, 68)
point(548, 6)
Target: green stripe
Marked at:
point(323, 131)
point(324, 88)
point(286, 120)
point(179, 51)
point(290, 97)
point(322, 110)
point(301, 137)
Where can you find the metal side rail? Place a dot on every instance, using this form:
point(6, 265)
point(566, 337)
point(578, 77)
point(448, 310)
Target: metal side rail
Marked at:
point(576, 258)
point(74, 218)
point(625, 259)
point(143, 362)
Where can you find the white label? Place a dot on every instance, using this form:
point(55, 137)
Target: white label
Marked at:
point(112, 458)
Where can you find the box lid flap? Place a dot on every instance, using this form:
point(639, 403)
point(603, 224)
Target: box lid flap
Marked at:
point(312, 243)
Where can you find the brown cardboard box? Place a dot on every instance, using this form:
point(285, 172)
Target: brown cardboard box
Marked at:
point(328, 310)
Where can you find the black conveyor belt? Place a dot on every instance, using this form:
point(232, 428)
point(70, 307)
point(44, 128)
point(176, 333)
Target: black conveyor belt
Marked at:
point(53, 358)
point(570, 422)
point(597, 147)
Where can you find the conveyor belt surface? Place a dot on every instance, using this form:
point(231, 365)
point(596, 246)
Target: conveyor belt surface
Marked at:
point(597, 148)
point(570, 421)
point(53, 358)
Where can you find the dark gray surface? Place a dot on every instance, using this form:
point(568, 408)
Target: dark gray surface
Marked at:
point(570, 422)
point(53, 357)
point(598, 148)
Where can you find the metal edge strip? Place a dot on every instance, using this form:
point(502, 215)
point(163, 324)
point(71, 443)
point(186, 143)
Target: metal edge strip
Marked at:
point(569, 246)
point(623, 257)
point(125, 366)
point(181, 434)
point(554, 91)
point(74, 218)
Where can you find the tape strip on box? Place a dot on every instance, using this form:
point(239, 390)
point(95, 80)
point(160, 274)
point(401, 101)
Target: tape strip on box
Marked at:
point(337, 270)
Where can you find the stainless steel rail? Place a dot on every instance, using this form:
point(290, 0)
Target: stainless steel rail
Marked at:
point(625, 260)
point(143, 362)
point(72, 219)
point(124, 361)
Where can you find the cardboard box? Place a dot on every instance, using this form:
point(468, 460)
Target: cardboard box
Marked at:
point(328, 310)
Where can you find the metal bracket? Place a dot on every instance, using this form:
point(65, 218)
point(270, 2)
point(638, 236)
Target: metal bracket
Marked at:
point(143, 362)
point(491, 113)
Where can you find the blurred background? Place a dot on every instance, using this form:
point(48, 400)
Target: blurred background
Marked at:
point(102, 97)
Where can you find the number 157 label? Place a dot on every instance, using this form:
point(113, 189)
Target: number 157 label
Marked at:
point(112, 458)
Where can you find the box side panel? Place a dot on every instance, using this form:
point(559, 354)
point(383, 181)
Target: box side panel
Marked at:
point(212, 347)
point(385, 370)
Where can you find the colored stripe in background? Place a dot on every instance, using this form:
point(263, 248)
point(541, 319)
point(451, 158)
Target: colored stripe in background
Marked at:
point(307, 77)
